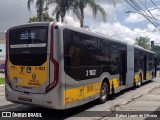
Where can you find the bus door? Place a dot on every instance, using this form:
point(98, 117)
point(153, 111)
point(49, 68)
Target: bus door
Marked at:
point(123, 67)
point(72, 66)
point(144, 67)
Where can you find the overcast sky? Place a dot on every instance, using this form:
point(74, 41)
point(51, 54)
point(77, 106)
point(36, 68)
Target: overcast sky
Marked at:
point(14, 12)
point(120, 25)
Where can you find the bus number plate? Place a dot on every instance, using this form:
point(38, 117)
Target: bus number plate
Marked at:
point(91, 72)
point(40, 68)
point(25, 99)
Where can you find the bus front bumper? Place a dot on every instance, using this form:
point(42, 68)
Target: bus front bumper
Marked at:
point(42, 100)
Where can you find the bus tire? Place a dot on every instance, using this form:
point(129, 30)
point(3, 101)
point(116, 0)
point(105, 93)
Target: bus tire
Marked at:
point(104, 93)
point(139, 81)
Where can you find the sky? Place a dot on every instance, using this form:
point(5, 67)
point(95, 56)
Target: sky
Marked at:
point(120, 25)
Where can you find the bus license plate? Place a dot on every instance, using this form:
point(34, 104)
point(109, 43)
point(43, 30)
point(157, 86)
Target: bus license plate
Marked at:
point(25, 99)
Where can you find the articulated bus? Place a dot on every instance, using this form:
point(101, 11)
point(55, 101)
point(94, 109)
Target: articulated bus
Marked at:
point(58, 66)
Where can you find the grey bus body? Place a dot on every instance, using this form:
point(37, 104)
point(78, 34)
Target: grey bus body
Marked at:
point(85, 60)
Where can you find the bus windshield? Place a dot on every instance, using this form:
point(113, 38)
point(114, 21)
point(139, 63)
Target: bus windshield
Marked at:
point(28, 45)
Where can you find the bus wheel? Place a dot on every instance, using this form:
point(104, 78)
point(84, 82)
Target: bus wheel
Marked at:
point(104, 92)
point(139, 81)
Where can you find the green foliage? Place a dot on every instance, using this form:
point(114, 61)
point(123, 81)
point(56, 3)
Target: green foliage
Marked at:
point(143, 42)
point(156, 49)
point(63, 6)
point(40, 4)
point(46, 18)
point(0, 50)
point(32, 19)
point(2, 81)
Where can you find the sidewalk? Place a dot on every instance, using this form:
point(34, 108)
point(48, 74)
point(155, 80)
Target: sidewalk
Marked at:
point(145, 100)
point(2, 89)
point(2, 86)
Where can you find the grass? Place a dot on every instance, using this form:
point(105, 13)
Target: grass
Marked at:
point(1, 81)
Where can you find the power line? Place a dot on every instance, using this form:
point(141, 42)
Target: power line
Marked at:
point(143, 10)
point(144, 13)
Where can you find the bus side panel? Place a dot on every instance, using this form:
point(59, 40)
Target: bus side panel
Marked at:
point(130, 66)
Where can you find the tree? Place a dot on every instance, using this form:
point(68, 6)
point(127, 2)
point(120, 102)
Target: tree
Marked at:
point(81, 4)
point(33, 19)
point(62, 7)
point(46, 17)
point(40, 8)
point(143, 42)
point(156, 49)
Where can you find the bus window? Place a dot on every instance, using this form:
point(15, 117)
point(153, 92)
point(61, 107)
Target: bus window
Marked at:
point(75, 50)
point(151, 62)
point(28, 45)
point(72, 53)
point(115, 59)
point(105, 57)
point(90, 53)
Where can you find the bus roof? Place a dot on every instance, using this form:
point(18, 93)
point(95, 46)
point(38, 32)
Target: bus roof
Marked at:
point(141, 48)
point(91, 32)
point(83, 30)
point(31, 24)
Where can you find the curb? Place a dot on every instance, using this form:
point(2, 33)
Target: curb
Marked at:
point(136, 96)
point(2, 89)
point(128, 100)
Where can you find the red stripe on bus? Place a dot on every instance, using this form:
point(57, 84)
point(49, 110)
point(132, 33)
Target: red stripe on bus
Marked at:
point(56, 65)
point(6, 59)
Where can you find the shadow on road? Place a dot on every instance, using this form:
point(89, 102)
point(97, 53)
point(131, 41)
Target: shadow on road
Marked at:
point(61, 114)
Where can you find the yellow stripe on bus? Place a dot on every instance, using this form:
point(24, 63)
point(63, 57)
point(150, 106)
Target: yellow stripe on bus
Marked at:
point(115, 83)
point(82, 92)
point(136, 77)
point(79, 93)
point(148, 75)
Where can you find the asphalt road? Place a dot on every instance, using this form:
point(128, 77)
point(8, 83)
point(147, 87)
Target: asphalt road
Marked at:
point(87, 111)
